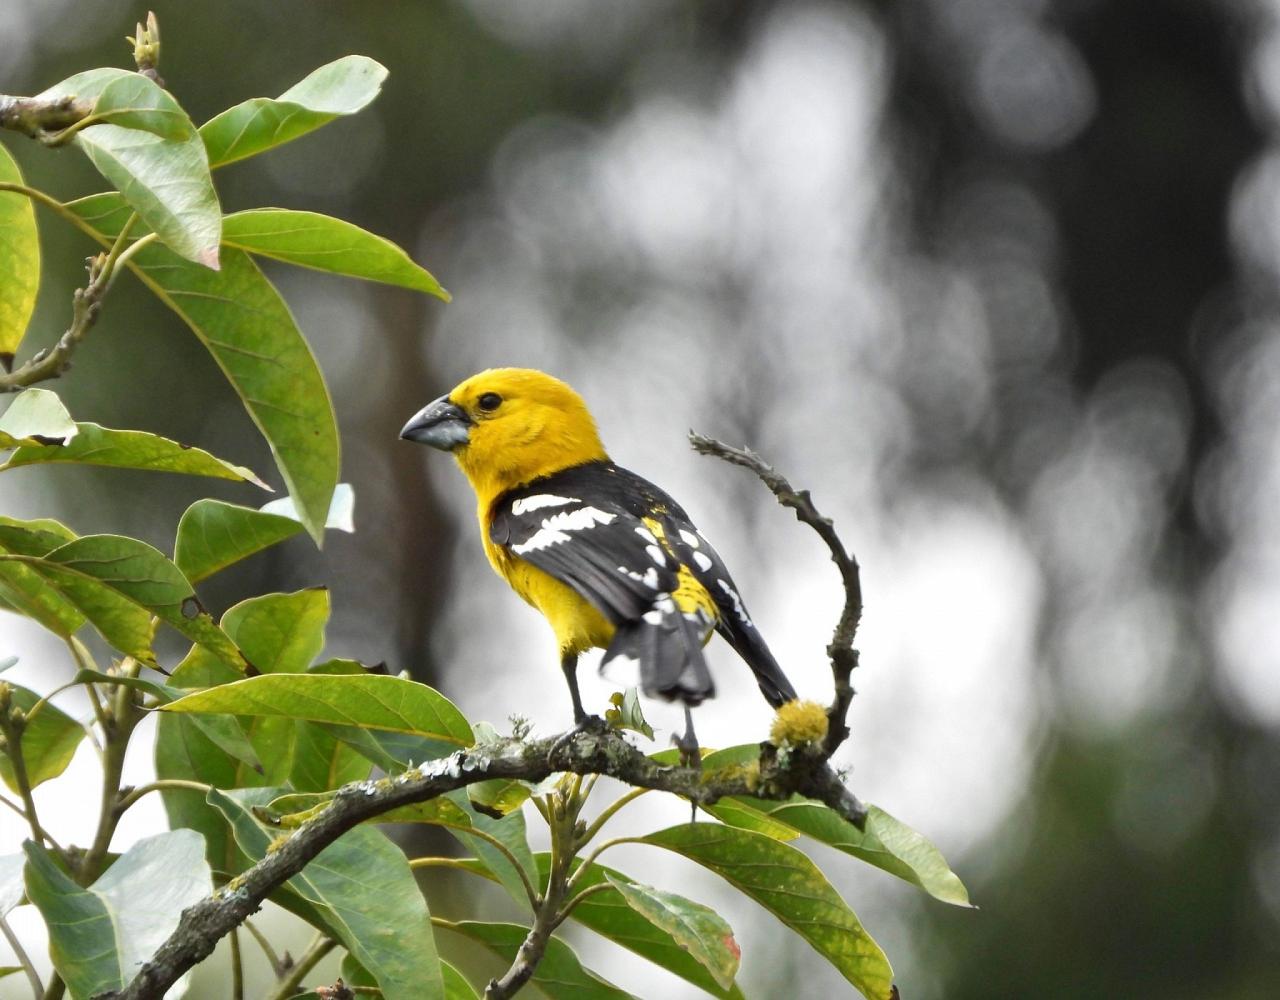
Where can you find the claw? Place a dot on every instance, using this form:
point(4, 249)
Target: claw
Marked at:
point(586, 724)
point(690, 752)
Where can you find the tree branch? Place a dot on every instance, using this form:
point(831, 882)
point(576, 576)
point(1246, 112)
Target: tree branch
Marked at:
point(41, 118)
point(840, 651)
point(779, 776)
point(607, 753)
point(86, 304)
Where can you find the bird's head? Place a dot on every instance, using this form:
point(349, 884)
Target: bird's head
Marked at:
point(507, 427)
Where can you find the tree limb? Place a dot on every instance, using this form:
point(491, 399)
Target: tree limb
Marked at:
point(608, 753)
point(41, 118)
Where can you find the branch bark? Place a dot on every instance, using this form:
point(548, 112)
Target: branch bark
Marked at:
point(608, 753)
point(41, 118)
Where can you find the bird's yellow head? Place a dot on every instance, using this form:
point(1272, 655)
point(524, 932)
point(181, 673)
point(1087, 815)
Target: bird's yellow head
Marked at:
point(507, 427)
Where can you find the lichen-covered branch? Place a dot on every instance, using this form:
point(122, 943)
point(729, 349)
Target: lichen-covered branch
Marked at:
point(607, 753)
point(840, 651)
point(41, 118)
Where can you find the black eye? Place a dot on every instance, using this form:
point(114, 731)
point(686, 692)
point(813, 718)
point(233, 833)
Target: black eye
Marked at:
point(489, 402)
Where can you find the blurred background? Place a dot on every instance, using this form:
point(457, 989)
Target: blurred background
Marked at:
point(995, 279)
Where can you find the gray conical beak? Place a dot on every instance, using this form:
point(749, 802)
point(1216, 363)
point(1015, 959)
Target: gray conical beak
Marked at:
point(440, 424)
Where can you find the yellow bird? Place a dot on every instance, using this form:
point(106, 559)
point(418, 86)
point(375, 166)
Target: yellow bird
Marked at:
point(609, 559)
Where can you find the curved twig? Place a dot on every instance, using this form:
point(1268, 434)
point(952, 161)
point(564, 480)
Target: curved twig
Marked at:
point(840, 651)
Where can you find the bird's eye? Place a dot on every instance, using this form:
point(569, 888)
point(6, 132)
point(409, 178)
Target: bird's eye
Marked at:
point(489, 402)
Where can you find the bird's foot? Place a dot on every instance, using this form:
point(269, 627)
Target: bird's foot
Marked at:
point(690, 753)
point(586, 724)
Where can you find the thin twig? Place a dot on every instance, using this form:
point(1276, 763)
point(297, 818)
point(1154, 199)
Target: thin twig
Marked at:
point(277, 966)
point(33, 977)
point(237, 967)
point(320, 946)
point(840, 651)
point(161, 785)
point(586, 893)
point(86, 304)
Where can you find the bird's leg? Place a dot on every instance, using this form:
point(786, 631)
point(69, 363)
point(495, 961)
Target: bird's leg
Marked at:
point(690, 752)
point(582, 722)
point(569, 664)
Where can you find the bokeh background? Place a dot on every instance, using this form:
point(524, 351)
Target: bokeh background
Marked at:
point(996, 279)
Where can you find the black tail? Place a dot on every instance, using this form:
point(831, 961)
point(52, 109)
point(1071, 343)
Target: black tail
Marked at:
point(748, 644)
point(668, 649)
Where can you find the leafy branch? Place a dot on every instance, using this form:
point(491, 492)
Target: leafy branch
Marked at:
point(777, 776)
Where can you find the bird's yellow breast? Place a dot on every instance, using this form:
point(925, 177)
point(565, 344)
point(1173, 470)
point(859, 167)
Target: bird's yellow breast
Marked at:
point(577, 623)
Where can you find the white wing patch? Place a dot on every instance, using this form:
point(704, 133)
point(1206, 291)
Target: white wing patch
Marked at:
point(703, 561)
point(555, 529)
point(690, 539)
point(656, 554)
point(646, 534)
point(649, 577)
point(526, 504)
point(738, 609)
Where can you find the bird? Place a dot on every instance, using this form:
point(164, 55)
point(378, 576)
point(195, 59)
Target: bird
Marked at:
point(608, 558)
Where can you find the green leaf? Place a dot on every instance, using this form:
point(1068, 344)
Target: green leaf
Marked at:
point(36, 416)
point(11, 887)
point(49, 740)
point(697, 929)
point(166, 181)
point(26, 591)
point(559, 973)
point(213, 535)
point(185, 751)
point(499, 796)
point(280, 633)
point(607, 914)
point(888, 844)
point(309, 239)
point(378, 702)
point(224, 731)
point(371, 901)
point(119, 583)
point(510, 831)
point(456, 986)
point(322, 762)
point(242, 320)
point(96, 445)
point(744, 814)
point(138, 102)
point(99, 936)
point(19, 260)
point(627, 714)
point(789, 885)
point(339, 88)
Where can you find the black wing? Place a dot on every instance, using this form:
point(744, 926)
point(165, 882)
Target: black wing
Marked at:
point(618, 564)
point(584, 526)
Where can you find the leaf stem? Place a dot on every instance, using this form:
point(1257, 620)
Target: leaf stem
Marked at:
point(590, 859)
point(609, 812)
point(160, 785)
point(320, 946)
point(37, 987)
point(277, 966)
point(237, 967)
